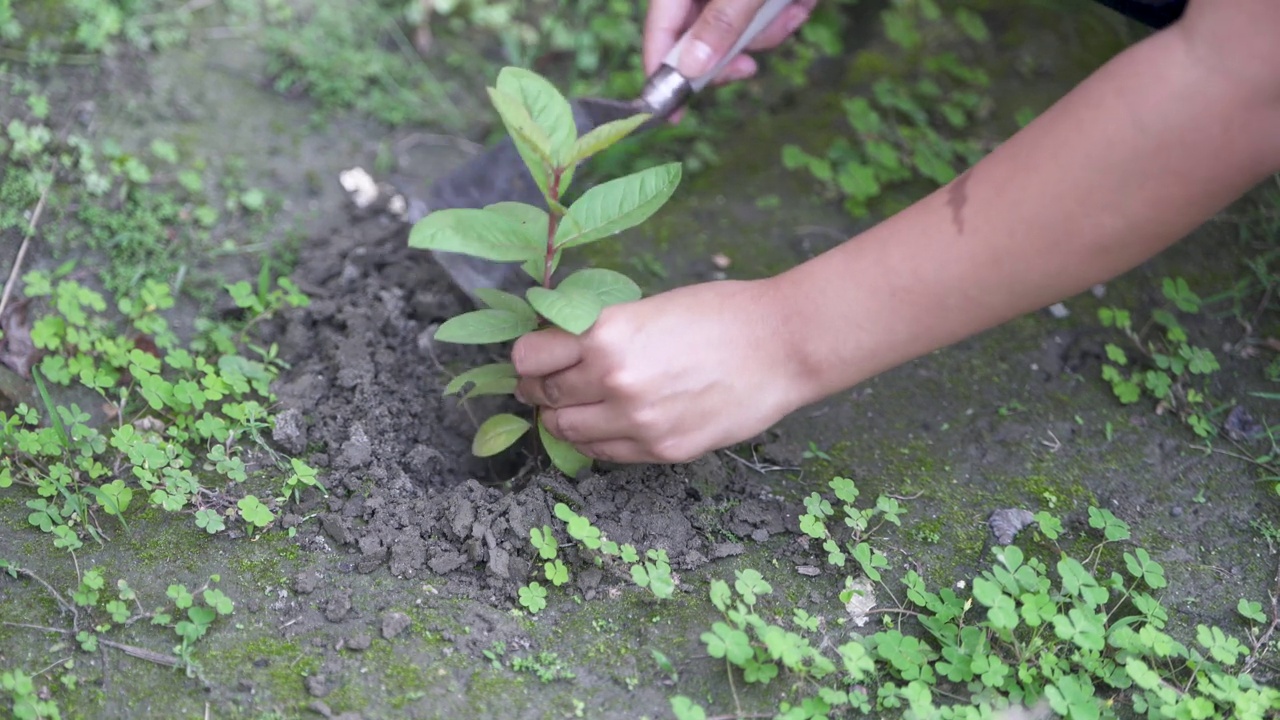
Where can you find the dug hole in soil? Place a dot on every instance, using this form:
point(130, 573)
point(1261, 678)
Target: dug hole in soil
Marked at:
point(363, 401)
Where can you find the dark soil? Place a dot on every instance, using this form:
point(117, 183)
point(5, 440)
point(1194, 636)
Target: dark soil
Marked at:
point(365, 398)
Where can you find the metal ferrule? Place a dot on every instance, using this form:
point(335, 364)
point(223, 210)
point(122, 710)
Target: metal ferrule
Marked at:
point(665, 91)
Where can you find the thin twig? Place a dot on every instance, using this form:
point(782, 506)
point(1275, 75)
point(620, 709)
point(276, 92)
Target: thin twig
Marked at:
point(55, 664)
point(66, 606)
point(22, 250)
point(41, 628)
point(140, 653)
point(905, 497)
point(762, 468)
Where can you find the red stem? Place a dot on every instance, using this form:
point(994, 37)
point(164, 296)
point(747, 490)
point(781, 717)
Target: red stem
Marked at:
point(553, 222)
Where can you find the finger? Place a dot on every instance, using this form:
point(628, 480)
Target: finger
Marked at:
point(616, 451)
point(575, 386)
point(721, 23)
point(740, 68)
point(663, 24)
point(545, 352)
point(585, 424)
point(787, 22)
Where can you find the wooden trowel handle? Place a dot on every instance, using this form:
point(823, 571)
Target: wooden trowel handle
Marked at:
point(764, 16)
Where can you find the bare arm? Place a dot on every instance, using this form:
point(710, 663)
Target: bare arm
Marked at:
point(1154, 143)
point(1150, 146)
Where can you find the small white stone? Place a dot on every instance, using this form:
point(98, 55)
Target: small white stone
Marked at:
point(360, 185)
point(1059, 311)
point(861, 601)
point(398, 206)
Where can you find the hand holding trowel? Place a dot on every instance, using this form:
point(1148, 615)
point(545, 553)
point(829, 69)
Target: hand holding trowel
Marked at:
point(499, 174)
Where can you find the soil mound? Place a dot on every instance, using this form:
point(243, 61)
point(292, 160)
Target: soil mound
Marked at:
point(363, 400)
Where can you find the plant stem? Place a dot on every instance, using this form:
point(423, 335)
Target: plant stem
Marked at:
point(553, 222)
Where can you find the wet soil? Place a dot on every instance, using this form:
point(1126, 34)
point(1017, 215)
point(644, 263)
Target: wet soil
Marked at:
point(398, 581)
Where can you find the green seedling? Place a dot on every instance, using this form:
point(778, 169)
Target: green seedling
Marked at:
point(540, 121)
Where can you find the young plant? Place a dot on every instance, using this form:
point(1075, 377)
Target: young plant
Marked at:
point(1161, 364)
point(540, 122)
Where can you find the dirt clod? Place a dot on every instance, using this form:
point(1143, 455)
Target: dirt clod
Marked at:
point(338, 606)
point(318, 686)
point(394, 623)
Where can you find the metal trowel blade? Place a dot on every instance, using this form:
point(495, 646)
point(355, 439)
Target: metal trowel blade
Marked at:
point(498, 174)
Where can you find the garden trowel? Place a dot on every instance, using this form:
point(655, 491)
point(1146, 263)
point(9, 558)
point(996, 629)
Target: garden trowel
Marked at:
point(499, 174)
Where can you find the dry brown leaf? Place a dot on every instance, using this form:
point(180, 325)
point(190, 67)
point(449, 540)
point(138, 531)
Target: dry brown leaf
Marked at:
point(17, 352)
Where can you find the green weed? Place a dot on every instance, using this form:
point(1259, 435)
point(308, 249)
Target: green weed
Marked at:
point(652, 571)
point(1169, 361)
point(1091, 642)
point(97, 614)
point(909, 128)
point(178, 417)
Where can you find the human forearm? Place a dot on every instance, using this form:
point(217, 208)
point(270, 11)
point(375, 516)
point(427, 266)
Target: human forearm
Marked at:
point(1129, 162)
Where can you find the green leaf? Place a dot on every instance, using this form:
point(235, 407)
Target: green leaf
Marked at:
point(254, 512)
point(609, 287)
point(563, 455)
point(616, 205)
point(210, 521)
point(720, 594)
point(491, 379)
point(972, 25)
point(532, 221)
point(686, 709)
point(531, 141)
point(217, 600)
point(479, 327)
point(497, 434)
point(502, 300)
point(573, 311)
point(726, 642)
point(488, 234)
point(533, 596)
point(604, 136)
point(1251, 610)
point(556, 572)
point(114, 497)
point(1113, 528)
point(545, 106)
point(750, 584)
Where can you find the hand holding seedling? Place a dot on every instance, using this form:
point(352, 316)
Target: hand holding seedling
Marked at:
point(540, 122)
point(665, 378)
point(1130, 161)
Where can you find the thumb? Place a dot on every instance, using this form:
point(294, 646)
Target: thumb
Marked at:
point(715, 30)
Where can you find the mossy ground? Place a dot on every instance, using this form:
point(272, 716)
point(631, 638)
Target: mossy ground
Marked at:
point(933, 431)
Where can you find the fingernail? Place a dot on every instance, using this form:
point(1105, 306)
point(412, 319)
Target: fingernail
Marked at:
point(520, 398)
point(696, 59)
